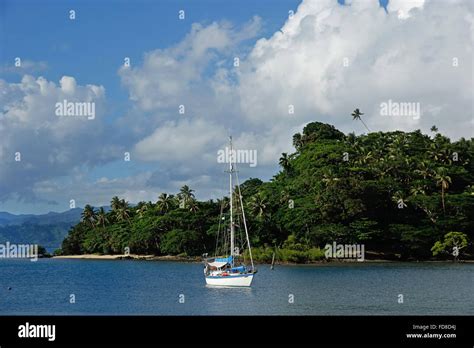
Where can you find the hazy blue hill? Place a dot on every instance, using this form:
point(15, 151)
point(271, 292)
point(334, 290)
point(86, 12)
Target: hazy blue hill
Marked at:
point(49, 236)
point(47, 230)
point(9, 219)
point(72, 215)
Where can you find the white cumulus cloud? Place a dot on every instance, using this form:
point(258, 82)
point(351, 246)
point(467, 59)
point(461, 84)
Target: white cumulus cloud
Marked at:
point(46, 145)
point(405, 55)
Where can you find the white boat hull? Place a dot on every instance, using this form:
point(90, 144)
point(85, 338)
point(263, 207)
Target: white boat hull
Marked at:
point(230, 280)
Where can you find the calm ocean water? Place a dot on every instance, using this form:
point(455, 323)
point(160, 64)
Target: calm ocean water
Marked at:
point(153, 288)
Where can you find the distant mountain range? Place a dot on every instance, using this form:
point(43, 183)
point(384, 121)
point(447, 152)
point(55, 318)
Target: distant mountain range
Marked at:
point(72, 215)
point(47, 230)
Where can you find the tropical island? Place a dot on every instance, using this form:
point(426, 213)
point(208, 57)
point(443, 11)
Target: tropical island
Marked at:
point(404, 195)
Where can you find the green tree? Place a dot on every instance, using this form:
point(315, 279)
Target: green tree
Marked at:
point(186, 194)
point(88, 215)
point(115, 203)
point(356, 115)
point(165, 202)
point(258, 205)
point(142, 208)
point(122, 213)
point(285, 161)
point(443, 180)
point(193, 205)
point(102, 217)
point(452, 243)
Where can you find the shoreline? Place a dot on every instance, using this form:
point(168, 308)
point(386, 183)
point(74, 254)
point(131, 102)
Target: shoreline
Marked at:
point(198, 259)
point(126, 257)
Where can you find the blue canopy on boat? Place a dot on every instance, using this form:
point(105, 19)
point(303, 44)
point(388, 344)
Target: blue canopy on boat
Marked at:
point(220, 262)
point(224, 259)
point(238, 269)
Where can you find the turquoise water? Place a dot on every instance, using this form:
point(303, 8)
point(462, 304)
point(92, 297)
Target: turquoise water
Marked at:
point(154, 288)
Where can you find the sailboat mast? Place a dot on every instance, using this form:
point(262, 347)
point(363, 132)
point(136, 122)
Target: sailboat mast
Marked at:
point(231, 169)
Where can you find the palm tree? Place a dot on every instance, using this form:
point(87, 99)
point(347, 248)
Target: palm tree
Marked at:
point(186, 194)
point(164, 203)
point(443, 180)
point(285, 161)
point(258, 205)
point(193, 205)
point(102, 217)
point(115, 203)
point(142, 208)
point(88, 215)
point(434, 129)
point(123, 211)
point(297, 141)
point(424, 169)
point(356, 115)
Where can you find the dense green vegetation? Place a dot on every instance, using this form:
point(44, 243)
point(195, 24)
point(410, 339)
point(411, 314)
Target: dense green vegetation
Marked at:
point(452, 244)
point(397, 193)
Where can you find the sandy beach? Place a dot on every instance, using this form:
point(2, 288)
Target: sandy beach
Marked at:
point(125, 257)
point(105, 257)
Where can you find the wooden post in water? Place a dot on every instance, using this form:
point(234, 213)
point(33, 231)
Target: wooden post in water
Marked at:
point(273, 261)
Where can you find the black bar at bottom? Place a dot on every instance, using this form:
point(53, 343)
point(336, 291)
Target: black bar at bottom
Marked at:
point(244, 330)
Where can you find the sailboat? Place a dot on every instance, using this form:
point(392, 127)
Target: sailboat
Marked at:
point(231, 270)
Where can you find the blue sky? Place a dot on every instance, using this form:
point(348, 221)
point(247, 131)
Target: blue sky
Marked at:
point(92, 46)
point(83, 58)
